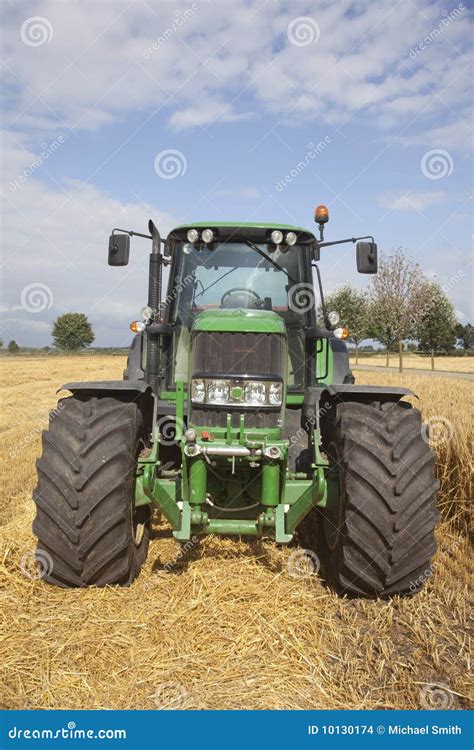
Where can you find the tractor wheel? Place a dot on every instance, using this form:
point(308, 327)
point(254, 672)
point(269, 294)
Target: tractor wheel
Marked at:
point(86, 525)
point(378, 526)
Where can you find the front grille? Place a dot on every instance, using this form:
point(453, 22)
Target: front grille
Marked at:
point(227, 354)
point(238, 353)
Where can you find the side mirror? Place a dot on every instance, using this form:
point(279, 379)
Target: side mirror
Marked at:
point(366, 257)
point(119, 249)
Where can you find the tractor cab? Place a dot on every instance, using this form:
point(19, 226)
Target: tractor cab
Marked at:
point(237, 277)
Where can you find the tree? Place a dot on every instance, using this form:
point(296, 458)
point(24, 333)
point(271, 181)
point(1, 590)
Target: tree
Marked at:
point(1, 343)
point(352, 307)
point(72, 331)
point(436, 327)
point(13, 347)
point(465, 334)
point(397, 301)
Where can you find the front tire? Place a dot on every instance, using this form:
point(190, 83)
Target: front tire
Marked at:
point(86, 524)
point(378, 535)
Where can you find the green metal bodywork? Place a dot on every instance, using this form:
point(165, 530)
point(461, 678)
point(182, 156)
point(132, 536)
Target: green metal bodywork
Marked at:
point(276, 499)
point(245, 321)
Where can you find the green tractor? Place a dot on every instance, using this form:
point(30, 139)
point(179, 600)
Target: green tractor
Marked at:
point(238, 414)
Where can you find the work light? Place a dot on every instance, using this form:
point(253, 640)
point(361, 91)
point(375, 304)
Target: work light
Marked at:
point(276, 237)
point(290, 239)
point(193, 235)
point(207, 236)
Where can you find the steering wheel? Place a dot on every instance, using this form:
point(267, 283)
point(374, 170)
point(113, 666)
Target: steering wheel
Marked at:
point(258, 301)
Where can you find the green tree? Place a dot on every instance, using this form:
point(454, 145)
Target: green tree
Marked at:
point(352, 308)
point(1, 343)
point(465, 334)
point(13, 347)
point(436, 327)
point(397, 301)
point(72, 331)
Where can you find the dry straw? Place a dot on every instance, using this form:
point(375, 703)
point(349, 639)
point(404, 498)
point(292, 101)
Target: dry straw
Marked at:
point(228, 627)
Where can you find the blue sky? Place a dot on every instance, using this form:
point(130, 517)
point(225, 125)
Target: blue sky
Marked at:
point(268, 108)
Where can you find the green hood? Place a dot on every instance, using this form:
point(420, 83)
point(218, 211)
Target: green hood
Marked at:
point(240, 320)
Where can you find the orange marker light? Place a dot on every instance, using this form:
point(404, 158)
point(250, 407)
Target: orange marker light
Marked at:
point(342, 333)
point(137, 326)
point(321, 214)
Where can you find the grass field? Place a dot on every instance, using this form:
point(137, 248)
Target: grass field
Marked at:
point(450, 364)
point(228, 628)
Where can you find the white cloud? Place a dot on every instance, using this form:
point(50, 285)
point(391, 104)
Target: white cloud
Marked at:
point(409, 200)
point(58, 239)
point(227, 62)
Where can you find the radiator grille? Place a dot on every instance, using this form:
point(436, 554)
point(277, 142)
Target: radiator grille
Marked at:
point(228, 354)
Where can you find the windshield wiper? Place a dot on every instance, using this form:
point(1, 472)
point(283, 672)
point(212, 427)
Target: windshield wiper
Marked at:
point(270, 260)
point(214, 282)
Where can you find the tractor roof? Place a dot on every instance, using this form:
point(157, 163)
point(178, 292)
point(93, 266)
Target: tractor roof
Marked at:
point(238, 230)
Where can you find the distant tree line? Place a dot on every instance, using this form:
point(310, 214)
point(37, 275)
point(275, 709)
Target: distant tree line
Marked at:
point(402, 305)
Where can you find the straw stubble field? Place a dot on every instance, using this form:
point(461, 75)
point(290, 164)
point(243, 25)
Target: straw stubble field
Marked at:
point(227, 627)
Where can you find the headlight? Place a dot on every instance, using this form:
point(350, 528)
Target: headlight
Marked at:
point(218, 392)
point(236, 392)
point(290, 239)
point(275, 394)
point(255, 394)
point(198, 391)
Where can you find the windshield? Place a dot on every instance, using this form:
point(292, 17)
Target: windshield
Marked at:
point(235, 275)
